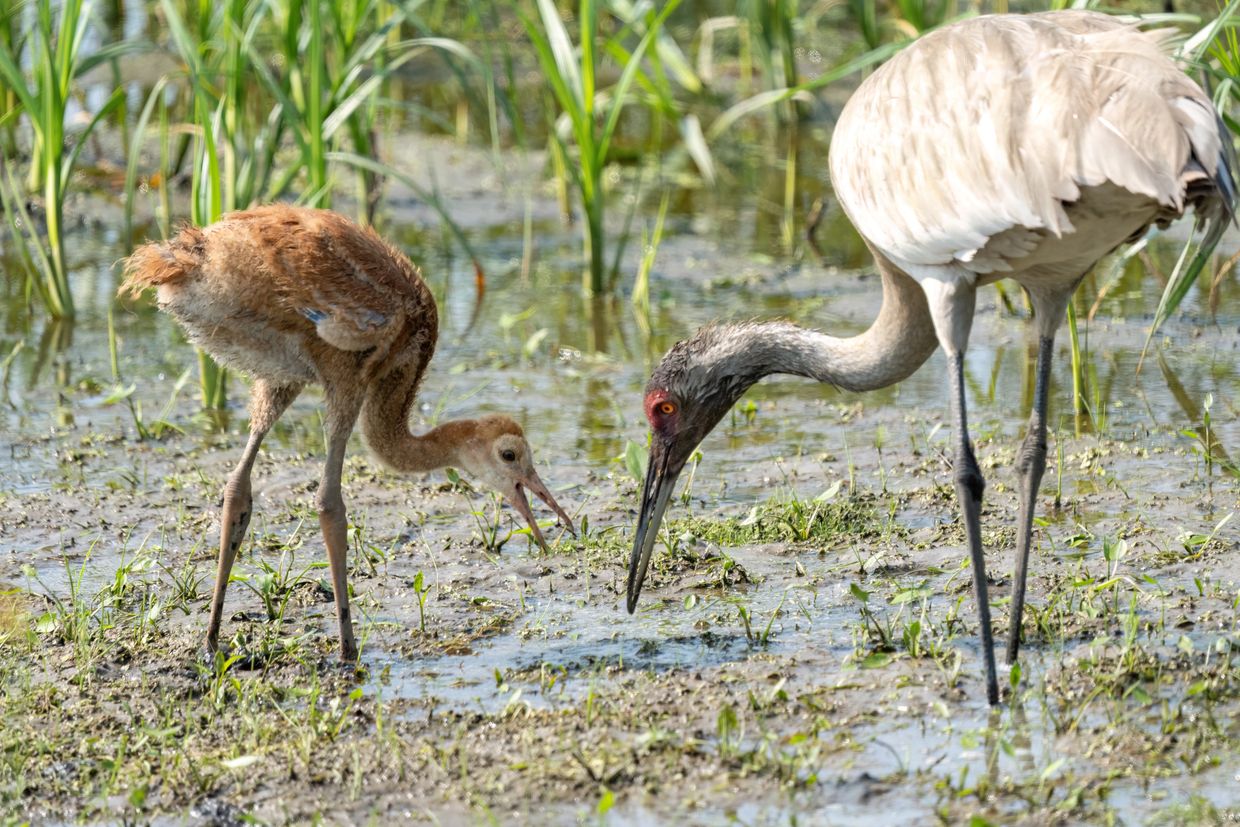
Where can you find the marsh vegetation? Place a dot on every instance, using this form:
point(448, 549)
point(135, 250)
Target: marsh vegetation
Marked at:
point(582, 184)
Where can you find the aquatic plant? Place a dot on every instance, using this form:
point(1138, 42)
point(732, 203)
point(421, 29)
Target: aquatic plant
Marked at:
point(219, 34)
point(56, 58)
point(12, 43)
point(321, 92)
point(651, 239)
point(572, 75)
point(904, 19)
point(774, 21)
point(1214, 49)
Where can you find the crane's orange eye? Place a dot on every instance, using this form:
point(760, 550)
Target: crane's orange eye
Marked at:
point(667, 408)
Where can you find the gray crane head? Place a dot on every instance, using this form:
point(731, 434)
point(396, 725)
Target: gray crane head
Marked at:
point(698, 381)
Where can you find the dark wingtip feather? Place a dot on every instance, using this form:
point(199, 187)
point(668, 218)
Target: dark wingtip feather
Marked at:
point(1225, 178)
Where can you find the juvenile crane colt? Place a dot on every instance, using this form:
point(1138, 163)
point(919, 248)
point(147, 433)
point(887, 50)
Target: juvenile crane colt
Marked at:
point(296, 296)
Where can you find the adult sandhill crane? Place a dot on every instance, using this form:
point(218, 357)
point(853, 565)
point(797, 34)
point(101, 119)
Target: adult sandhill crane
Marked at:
point(296, 296)
point(1013, 146)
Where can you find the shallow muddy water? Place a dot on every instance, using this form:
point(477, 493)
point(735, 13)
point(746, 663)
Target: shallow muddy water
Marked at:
point(753, 685)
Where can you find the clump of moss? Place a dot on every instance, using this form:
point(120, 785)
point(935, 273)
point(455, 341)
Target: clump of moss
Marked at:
point(792, 520)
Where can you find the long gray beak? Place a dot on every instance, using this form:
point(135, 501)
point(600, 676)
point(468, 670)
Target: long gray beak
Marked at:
point(656, 493)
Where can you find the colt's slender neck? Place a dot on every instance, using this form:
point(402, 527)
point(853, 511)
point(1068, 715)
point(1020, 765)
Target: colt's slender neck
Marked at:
point(411, 453)
point(385, 425)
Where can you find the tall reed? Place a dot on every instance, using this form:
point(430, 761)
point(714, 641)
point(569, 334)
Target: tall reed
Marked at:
point(773, 20)
point(214, 50)
point(11, 43)
point(1214, 50)
point(320, 93)
point(329, 94)
point(56, 60)
point(909, 19)
point(587, 118)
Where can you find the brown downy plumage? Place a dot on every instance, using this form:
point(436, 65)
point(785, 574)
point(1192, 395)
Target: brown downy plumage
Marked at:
point(294, 296)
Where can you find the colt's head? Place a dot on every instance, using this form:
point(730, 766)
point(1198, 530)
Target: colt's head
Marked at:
point(493, 449)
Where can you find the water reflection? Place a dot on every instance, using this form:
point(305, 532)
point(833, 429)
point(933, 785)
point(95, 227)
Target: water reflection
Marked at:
point(610, 350)
point(736, 250)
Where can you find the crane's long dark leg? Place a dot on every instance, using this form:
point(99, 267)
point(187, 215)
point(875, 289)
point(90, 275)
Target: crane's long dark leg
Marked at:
point(267, 403)
point(1030, 464)
point(951, 308)
point(341, 416)
point(969, 487)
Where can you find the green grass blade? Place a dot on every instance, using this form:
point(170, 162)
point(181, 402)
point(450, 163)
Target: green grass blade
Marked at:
point(109, 53)
point(430, 197)
point(135, 153)
point(207, 200)
point(669, 52)
point(182, 40)
point(765, 99)
point(1181, 282)
point(699, 150)
point(1196, 45)
point(212, 383)
point(587, 15)
point(568, 95)
point(561, 49)
point(1079, 403)
point(661, 97)
point(288, 107)
point(316, 60)
point(29, 250)
point(15, 79)
point(626, 79)
point(363, 94)
point(70, 161)
point(641, 285)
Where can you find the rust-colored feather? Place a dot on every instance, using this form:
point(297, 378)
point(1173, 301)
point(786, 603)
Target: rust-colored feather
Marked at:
point(295, 295)
point(164, 262)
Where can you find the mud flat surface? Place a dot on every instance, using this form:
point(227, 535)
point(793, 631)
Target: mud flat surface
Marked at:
point(805, 649)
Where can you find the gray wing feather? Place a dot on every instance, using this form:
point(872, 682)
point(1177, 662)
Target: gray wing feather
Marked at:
point(966, 147)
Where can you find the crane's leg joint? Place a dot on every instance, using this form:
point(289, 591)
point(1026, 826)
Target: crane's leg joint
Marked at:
point(1032, 453)
point(330, 505)
point(969, 477)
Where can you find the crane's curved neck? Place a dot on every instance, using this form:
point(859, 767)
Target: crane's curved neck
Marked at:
point(893, 347)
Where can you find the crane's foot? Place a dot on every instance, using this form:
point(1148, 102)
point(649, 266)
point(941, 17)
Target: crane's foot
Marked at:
point(238, 650)
point(346, 667)
point(212, 657)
